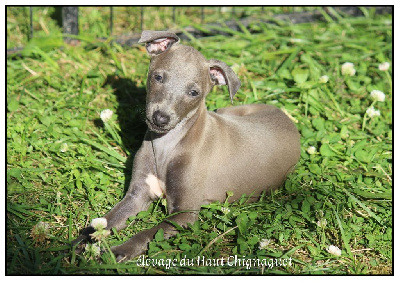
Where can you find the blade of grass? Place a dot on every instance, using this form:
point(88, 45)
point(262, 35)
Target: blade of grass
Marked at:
point(58, 265)
point(365, 208)
point(70, 226)
point(344, 237)
point(326, 90)
point(13, 261)
point(37, 260)
point(336, 14)
point(114, 134)
point(104, 149)
point(325, 15)
point(23, 248)
point(46, 57)
point(288, 61)
point(292, 250)
point(244, 29)
point(193, 39)
point(253, 87)
point(226, 29)
point(18, 210)
point(82, 88)
point(215, 239)
point(114, 57)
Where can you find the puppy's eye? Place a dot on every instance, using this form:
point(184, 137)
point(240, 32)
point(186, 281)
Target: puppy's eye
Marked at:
point(158, 77)
point(193, 93)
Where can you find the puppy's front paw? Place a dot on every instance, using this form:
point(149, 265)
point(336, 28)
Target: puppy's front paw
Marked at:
point(129, 250)
point(84, 237)
point(120, 253)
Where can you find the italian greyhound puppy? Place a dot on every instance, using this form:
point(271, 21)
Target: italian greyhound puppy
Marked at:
point(192, 156)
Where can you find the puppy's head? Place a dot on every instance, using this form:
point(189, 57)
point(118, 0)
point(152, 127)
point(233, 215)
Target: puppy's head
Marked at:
point(179, 79)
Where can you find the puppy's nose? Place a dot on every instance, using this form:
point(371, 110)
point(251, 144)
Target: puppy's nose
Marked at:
point(160, 119)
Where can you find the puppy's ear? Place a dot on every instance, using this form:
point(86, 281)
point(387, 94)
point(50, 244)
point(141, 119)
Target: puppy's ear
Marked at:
point(158, 42)
point(222, 74)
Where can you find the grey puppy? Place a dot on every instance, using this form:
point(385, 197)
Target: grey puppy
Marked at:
point(192, 156)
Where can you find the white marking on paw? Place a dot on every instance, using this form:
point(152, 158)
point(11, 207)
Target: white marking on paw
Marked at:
point(155, 185)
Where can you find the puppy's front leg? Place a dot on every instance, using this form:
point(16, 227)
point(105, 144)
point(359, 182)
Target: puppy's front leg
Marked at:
point(140, 194)
point(183, 206)
point(138, 244)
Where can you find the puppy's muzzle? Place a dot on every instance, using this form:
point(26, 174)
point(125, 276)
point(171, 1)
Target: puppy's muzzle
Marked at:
point(159, 122)
point(160, 119)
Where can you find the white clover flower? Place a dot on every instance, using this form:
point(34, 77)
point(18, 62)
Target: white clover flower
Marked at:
point(348, 69)
point(311, 150)
point(100, 234)
point(40, 232)
point(225, 210)
point(384, 66)
point(106, 115)
point(224, 9)
point(93, 250)
point(371, 112)
point(99, 223)
point(378, 95)
point(41, 227)
point(264, 243)
point(64, 147)
point(296, 40)
point(322, 223)
point(334, 250)
point(324, 79)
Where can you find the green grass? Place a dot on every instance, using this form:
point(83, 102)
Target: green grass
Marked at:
point(64, 167)
point(96, 20)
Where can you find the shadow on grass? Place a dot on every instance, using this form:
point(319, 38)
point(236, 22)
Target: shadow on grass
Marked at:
point(131, 114)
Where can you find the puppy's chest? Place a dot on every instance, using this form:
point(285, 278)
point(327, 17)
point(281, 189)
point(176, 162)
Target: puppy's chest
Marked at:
point(165, 150)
